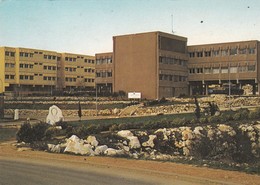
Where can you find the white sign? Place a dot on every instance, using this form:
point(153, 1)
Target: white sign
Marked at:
point(134, 95)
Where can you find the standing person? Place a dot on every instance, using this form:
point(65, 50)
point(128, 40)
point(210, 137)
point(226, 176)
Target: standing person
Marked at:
point(79, 112)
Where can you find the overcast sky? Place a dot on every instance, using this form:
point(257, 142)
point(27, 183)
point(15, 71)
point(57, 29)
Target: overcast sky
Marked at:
point(87, 26)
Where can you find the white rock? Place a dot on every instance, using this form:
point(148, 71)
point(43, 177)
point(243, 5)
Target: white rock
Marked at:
point(134, 142)
point(113, 152)
point(100, 149)
point(77, 146)
point(150, 142)
point(125, 133)
point(92, 141)
point(197, 130)
point(54, 116)
point(54, 148)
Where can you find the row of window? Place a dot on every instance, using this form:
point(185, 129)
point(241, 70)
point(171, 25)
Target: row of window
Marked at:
point(104, 61)
point(49, 57)
point(11, 77)
point(223, 52)
point(9, 65)
point(170, 60)
point(104, 74)
point(26, 77)
point(9, 53)
point(24, 54)
point(89, 70)
point(53, 68)
point(71, 69)
point(216, 70)
point(49, 78)
point(73, 59)
point(26, 66)
point(174, 78)
point(90, 80)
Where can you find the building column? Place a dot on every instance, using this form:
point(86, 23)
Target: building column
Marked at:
point(190, 90)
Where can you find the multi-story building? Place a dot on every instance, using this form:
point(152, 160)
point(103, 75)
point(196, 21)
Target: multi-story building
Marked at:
point(154, 64)
point(77, 71)
point(104, 72)
point(235, 63)
point(26, 70)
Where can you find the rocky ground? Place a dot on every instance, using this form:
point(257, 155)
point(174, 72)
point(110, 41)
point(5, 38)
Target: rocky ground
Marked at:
point(173, 106)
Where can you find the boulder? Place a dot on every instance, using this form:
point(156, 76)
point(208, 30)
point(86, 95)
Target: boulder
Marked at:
point(150, 142)
point(54, 148)
point(92, 141)
point(77, 146)
point(54, 116)
point(113, 152)
point(134, 142)
point(125, 133)
point(100, 149)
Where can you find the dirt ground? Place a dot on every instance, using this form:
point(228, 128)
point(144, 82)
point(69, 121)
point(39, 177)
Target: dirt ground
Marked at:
point(200, 175)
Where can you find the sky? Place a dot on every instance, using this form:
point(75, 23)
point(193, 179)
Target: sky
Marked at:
point(88, 26)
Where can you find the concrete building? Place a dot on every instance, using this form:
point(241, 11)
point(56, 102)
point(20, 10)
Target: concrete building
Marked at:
point(27, 71)
point(154, 64)
point(104, 73)
point(219, 64)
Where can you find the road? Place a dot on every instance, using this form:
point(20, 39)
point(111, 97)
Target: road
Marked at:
point(16, 172)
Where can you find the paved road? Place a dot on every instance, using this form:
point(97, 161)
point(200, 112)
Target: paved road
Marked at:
point(30, 173)
point(13, 172)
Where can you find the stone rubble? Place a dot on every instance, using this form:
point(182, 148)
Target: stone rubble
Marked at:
point(217, 141)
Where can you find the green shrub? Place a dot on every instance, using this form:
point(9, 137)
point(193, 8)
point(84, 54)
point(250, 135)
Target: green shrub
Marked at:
point(204, 120)
point(24, 133)
point(29, 133)
point(214, 119)
point(113, 128)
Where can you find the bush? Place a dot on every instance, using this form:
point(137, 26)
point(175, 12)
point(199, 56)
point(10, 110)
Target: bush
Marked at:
point(25, 133)
point(204, 120)
point(29, 133)
point(214, 119)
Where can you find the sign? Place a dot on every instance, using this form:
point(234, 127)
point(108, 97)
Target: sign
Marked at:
point(134, 95)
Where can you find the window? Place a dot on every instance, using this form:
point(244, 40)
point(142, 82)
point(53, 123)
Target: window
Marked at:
point(207, 70)
point(21, 77)
point(224, 70)
point(207, 53)
point(21, 54)
point(233, 51)
point(54, 68)
point(192, 54)
point(26, 77)
point(12, 54)
point(7, 53)
point(160, 77)
point(45, 78)
point(31, 54)
point(242, 51)
point(45, 67)
point(192, 70)
point(54, 57)
point(21, 65)
point(31, 77)
point(98, 74)
point(224, 52)
point(251, 51)
point(26, 54)
point(242, 69)
point(45, 56)
point(31, 66)
point(26, 65)
point(109, 74)
point(215, 53)
point(12, 77)
point(200, 54)
point(251, 68)
point(6, 64)
point(49, 67)
point(6, 77)
point(199, 70)
point(215, 70)
point(66, 59)
point(233, 69)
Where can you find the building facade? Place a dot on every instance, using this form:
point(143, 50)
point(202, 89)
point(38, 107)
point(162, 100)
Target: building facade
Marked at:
point(213, 65)
point(154, 64)
point(104, 73)
point(29, 71)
